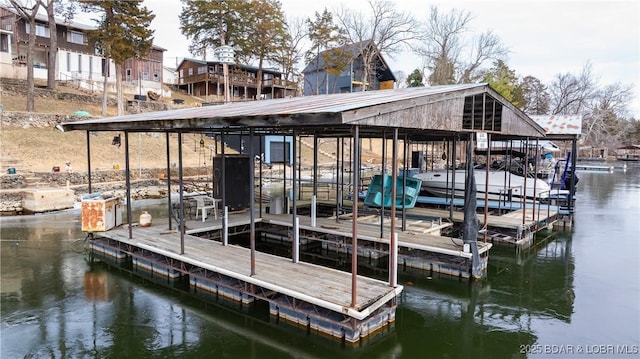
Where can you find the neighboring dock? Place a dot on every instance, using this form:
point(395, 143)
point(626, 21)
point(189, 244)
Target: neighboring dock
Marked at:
point(601, 167)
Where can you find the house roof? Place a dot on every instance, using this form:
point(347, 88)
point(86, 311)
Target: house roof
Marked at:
point(318, 63)
point(630, 147)
point(418, 113)
point(560, 124)
point(71, 24)
point(353, 49)
point(42, 17)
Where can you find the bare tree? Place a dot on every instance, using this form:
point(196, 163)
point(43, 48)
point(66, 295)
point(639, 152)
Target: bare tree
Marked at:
point(571, 94)
point(53, 45)
point(603, 109)
point(288, 56)
point(383, 30)
point(605, 124)
point(442, 47)
point(67, 9)
point(28, 10)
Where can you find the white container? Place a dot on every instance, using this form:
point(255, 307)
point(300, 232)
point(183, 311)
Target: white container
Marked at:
point(145, 219)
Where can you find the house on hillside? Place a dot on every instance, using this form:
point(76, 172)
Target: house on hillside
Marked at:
point(320, 77)
point(205, 79)
point(78, 61)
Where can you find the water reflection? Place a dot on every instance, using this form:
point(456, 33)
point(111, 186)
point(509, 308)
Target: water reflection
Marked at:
point(566, 289)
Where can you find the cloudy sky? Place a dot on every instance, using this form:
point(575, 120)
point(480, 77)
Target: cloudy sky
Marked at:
point(545, 38)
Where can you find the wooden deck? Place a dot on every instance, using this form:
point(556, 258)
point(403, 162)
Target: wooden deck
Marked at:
point(325, 287)
point(511, 220)
point(416, 236)
point(371, 232)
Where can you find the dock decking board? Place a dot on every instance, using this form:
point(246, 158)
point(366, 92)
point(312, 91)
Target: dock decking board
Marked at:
point(325, 287)
point(368, 232)
point(511, 220)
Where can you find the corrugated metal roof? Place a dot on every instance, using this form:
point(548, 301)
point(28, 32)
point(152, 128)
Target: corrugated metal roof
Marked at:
point(426, 108)
point(560, 124)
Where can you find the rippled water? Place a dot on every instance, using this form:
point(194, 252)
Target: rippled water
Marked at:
point(575, 293)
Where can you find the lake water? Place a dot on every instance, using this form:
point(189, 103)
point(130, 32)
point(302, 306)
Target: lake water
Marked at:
point(574, 294)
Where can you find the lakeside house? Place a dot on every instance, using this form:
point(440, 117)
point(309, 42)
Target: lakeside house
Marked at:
point(205, 79)
point(78, 61)
point(321, 73)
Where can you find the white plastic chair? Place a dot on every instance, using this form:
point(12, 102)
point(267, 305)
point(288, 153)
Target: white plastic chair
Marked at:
point(204, 203)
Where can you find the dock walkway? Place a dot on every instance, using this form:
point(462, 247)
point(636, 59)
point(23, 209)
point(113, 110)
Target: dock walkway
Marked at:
point(317, 285)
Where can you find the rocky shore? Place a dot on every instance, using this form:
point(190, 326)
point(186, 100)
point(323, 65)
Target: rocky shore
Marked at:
point(151, 184)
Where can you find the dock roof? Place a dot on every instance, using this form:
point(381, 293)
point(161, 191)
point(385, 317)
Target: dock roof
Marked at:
point(419, 113)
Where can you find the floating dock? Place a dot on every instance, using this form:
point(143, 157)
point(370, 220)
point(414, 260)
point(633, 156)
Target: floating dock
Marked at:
point(417, 248)
point(309, 295)
point(421, 244)
point(516, 226)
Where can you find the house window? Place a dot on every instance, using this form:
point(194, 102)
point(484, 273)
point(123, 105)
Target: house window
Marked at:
point(127, 74)
point(90, 65)
point(145, 76)
point(76, 37)
point(68, 62)
point(156, 77)
point(79, 63)
point(42, 30)
point(190, 71)
point(202, 70)
point(4, 42)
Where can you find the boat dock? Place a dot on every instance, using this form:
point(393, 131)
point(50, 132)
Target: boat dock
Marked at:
point(251, 133)
point(602, 167)
point(517, 226)
point(312, 296)
point(420, 245)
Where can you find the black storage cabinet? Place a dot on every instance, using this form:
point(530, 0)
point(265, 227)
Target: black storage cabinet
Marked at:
point(236, 179)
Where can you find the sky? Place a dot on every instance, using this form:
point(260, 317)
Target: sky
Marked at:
point(545, 38)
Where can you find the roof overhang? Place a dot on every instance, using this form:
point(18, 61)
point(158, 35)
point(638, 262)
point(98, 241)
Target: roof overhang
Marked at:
point(419, 113)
